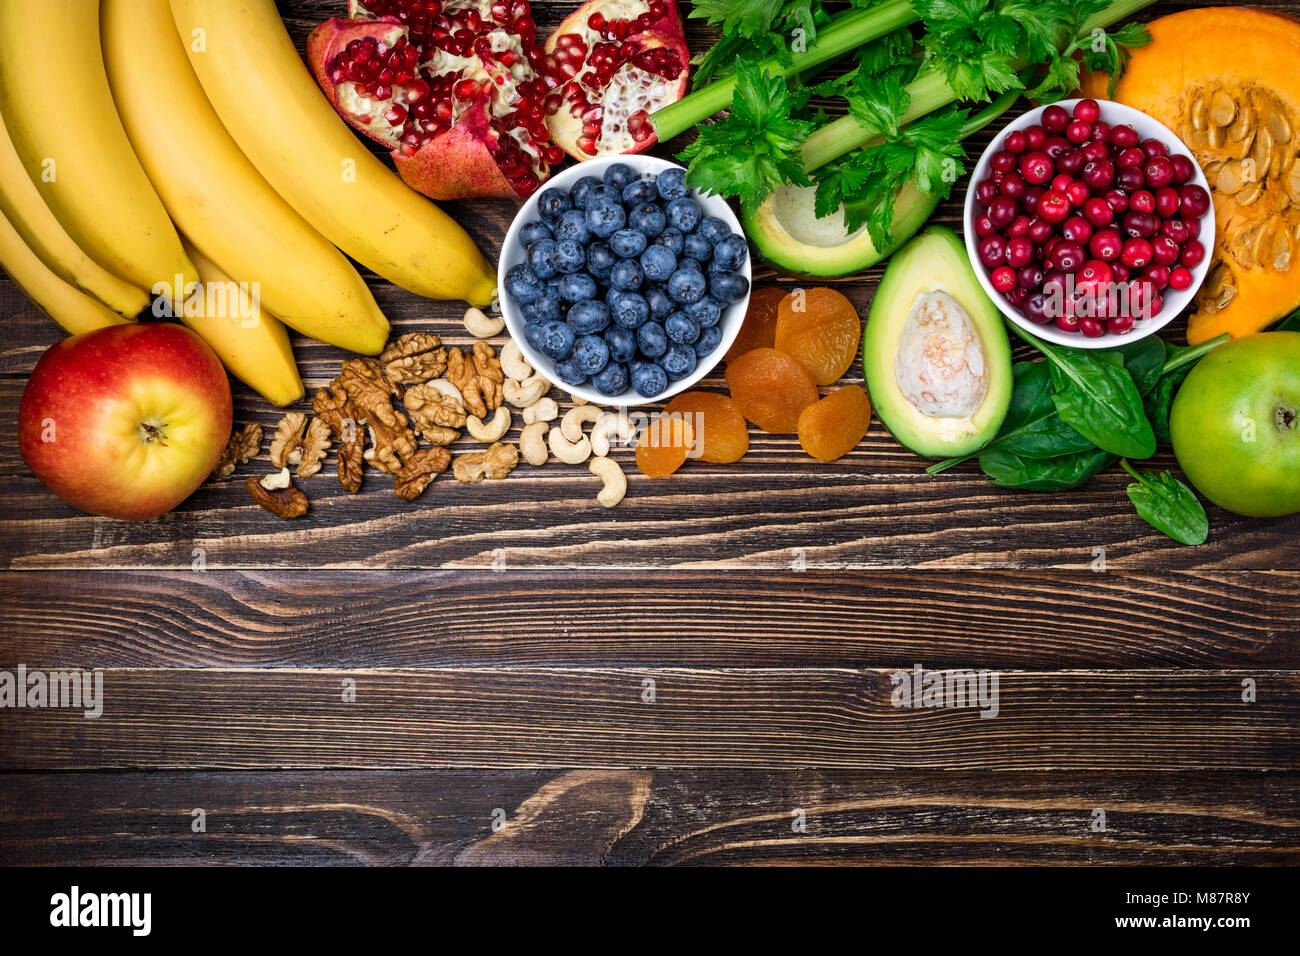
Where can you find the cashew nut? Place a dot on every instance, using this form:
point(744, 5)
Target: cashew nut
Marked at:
point(577, 400)
point(513, 362)
point(575, 418)
point(532, 443)
point(608, 471)
point(544, 410)
point(525, 393)
point(447, 390)
point(491, 431)
point(609, 425)
point(480, 326)
point(571, 453)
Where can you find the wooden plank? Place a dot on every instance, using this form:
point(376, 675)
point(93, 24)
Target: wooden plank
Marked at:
point(642, 817)
point(505, 718)
point(994, 619)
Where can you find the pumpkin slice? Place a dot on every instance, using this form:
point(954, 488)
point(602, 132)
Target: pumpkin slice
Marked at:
point(1227, 81)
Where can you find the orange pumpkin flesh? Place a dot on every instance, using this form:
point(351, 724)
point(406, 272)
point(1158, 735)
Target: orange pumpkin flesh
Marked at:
point(1227, 81)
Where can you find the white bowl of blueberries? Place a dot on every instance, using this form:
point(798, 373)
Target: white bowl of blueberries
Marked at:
point(621, 284)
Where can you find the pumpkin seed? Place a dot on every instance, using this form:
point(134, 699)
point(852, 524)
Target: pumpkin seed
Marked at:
point(1222, 108)
point(1293, 183)
point(1211, 169)
point(1279, 126)
point(1216, 136)
point(1244, 147)
point(1262, 153)
point(1280, 254)
point(1249, 195)
point(1231, 178)
point(1243, 125)
point(1198, 113)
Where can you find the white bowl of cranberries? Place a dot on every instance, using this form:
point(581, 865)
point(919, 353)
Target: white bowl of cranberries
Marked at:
point(1089, 223)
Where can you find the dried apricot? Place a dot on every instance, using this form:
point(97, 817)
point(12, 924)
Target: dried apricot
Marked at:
point(759, 327)
point(664, 446)
point(716, 423)
point(821, 329)
point(832, 427)
point(771, 389)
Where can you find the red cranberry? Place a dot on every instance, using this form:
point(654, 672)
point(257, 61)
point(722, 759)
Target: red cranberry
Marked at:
point(1054, 283)
point(1040, 230)
point(1060, 182)
point(1193, 227)
point(1139, 224)
point(1117, 199)
point(1180, 279)
point(1054, 146)
point(1020, 252)
point(1124, 136)
point(1136, 253)
point(1054, 207)
point(1154, 148)
point(1003, 278)
point(1119, 271)
point(1159, 171)
point(993, 250)
point(1077, 228)
point(1157, 303)
point(1101, 132)
point(1019, 226)
point(1175, 229)
point(1105, 244)
point(1139, 298)
point(1055, 118)
point(1003, 161)
point(1035, 136)
point(1036, 309)
point(1196, 201)
point(1091, 327)
point(1130, 179)
point(1088, 110)
point(1098, 211)
point(1119, 324)
point(1167, 202)
point(1094, 278)
point(984, 226)
point(1015, 141)
point(1067, 323)
point(1157, 275)
point(1192, 254)
point(1070, 161)
point(1130, 157)
point(1099, 173)
point(1067, 256)
point(1013, 185)
point(1036, 167)
point(1078, 131)
point(1164, 250)
point(985, 191)
point(1142, 201)
point(1030, 277)
point(1183, 169)
point(1002, 211)
point(1017, 296)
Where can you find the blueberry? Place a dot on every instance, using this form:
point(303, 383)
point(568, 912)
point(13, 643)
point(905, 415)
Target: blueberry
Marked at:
point(546, 307)
point(686, 262)
point(713, 229)
point(648, 218)
point(670, 237)
point(709, 340)
point(611, 380)
point(541, 258)
point(578, 287)
point(581, 190)
point(590, 354)
point(534, 230)
point(730, 252)
point(605, 194)
point(640, 191)
point(706, 311)
point(522, 284)
point(555, 340)
point(619, 175)
point(552, 202)
point(569, 256)
point(684, 213)
point(728, 287)
point(533, 334)
point(572, 225)
point(629, 309)
point(697, 247)
point(589, 317)
point(649, 380)
point(652, 340)
point(657, 299)
point(687, 286)
point(679, 361)
point(626, 276)
point(604, 217)
point(716, 266)
point(568, 372)
point(671, 183)
point(627, 243)
point(600, 259)
point(658, 263)
point(681, 328)
point(622, 344)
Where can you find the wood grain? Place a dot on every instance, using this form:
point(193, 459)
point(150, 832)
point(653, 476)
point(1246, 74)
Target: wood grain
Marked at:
point(994, 619)
point(655, 818)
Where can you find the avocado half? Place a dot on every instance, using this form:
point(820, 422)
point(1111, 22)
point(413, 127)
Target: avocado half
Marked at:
point(935, 351)
point(786, 230)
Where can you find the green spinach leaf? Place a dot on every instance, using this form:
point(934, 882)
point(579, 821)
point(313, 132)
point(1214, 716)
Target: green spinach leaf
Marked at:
point(1145, 361)
point(1168, 505)
point(1096, 394)
point(1048, 474)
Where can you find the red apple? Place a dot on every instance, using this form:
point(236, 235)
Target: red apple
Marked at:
point(125, 421)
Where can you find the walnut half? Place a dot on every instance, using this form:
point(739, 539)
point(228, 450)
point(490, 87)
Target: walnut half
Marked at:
point(277, 495)
point(422, 468)
point(245, 442)
point(297, 442)
point(414, 358)
point(479, 377)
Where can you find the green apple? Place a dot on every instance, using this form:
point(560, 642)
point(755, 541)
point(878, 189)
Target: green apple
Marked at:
point(1235, 425)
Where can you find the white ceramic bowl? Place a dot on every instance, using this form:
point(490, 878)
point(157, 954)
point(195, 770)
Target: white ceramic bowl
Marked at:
point(1174, 302)
point(512, 253)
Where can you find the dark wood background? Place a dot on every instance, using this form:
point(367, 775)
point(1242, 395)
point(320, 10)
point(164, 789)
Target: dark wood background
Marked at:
point(500, 636)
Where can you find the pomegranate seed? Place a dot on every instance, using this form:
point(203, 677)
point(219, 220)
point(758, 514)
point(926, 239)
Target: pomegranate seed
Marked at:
point(588, 145)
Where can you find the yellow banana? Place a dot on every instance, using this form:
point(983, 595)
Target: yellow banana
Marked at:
point(252, 343)
point(272, 107)
point(61, 118)
point(64, 303)
point(215, 196)
point(22, 204)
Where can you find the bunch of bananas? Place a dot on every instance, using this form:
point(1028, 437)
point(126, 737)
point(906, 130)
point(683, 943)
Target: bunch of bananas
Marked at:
point(197, 117)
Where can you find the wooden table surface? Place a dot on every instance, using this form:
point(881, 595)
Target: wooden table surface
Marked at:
point(680, 680)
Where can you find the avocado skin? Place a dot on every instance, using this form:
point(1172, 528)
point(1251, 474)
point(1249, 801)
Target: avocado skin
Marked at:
point(796, 258)
point(936, 259)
